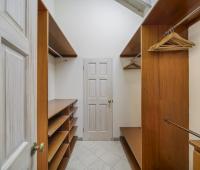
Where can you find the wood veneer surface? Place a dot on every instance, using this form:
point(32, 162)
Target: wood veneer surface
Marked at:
point(169, 12)
point(165, 94)
point(55, 143)
point(56, 123)
point(134, 46)
point(133, 136)
point(58, 157)
point(58, 41)
point(58, 105)
point(196, 144)
point(42, 87)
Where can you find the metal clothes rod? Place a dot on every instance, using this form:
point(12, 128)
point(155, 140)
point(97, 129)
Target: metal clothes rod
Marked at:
point(183, 20)
point(54, 51)
point(182, 128)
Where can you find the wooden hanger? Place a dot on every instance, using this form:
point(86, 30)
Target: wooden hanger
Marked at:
point(172, 42)
point(133, 64)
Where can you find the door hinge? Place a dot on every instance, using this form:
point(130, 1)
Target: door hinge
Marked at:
point(83, 130)
point(83, 68)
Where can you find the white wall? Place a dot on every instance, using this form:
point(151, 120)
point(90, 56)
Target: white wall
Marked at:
point(51, 78)
point(99, 28)
point(194, 73)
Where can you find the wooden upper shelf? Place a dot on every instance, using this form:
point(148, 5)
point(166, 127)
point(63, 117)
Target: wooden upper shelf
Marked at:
point(165, 12)
point(58, 105)
point(169, 12)
point(58, 41)
point(134, 46)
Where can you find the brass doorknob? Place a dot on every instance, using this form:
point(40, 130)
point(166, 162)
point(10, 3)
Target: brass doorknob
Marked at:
point(109, 101)
point(37, 147)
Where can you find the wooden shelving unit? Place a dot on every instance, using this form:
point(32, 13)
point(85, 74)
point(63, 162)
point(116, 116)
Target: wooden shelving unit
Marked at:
point(54, 117)
point(61, 131)
point(164, 91)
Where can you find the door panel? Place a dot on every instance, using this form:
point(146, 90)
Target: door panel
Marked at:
point(98, 93)
point(17, 85)
point(15, 100)
point(16, 10)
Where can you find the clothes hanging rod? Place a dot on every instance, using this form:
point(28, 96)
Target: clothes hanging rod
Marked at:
point(183, 20)
point(182, 128)
point(55, 52)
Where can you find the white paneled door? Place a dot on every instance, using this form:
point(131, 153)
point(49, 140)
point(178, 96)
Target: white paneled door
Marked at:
point(18, 32)
point(98, 99)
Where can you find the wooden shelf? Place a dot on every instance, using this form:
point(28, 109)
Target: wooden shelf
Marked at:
point(134, 46)
point(58, 105)
point(58, 157)
point(55, 124)
point(133, 136)
point(58, 41)
point(63, 164)
point(55, 142)
point(160, 16)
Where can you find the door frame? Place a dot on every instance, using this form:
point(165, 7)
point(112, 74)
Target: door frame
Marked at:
point(85, 99)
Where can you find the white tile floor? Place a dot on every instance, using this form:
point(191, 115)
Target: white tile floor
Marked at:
point(98, 155)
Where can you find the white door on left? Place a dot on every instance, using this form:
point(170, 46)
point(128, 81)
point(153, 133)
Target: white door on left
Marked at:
point(18, 32)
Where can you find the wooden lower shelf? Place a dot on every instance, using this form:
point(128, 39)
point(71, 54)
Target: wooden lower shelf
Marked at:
point(63, 164)
point(55, 143)
point(58, 157)
point(133, 136)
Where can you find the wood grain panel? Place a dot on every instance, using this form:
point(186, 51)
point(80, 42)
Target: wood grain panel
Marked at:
point(196, 161)
point(174, 105)
point(164, 9)
point(134, 46)
point(150, 100)
point(55, 142)
point(58, 157)
point(58, 105)
point(164, 95)
point(55, 124)
point(42, 88)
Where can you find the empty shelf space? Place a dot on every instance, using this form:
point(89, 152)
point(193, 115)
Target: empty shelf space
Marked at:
point(55, 124)
point(55, 143)
point(73, 121)
point(73, 111)
point(58, 105)
point(133, 136)
point(72, 133)
point(58, 157)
